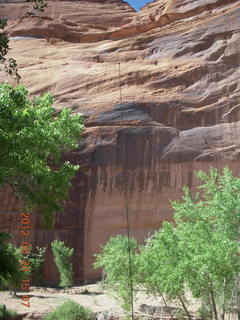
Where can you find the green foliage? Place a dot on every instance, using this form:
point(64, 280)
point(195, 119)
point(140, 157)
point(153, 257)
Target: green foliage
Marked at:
point(114, 258)
point(199, 252)
point(13, 281)
point(161, 266)
point(158, 261)
point(38, 5)
point(36, 263)
point(10, 64)
point(6, 314)
point(208, 225)
point(70, 310)
point(10, 268)
point(62, 255)
point(32, 139)
point(217, 204)
point(4, 236)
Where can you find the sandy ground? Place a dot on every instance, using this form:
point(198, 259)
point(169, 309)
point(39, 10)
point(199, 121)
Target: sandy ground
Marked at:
point(94, 297)
point(43, 300)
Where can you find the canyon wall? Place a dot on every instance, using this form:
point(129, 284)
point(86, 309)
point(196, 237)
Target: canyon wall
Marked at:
point(179, 73)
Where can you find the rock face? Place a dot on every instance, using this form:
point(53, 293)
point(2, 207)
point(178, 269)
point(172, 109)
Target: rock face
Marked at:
point(180, 110)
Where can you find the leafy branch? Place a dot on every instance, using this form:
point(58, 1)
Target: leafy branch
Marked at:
point(10, 64)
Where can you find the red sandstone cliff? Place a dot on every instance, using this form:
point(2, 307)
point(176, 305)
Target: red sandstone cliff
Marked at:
point(181, 94)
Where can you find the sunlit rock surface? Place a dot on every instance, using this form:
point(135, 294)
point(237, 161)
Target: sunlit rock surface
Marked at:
point(180, 111)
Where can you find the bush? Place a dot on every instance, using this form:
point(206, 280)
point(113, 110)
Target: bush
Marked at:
point(6, 314)
point(36, 262)
point(62, 255)
point(70, 310)
point(13, 281)
point(10, 268)
point(114, 258)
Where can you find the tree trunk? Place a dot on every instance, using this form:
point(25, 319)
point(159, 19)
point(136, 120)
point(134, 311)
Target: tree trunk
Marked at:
point(224, 299)
point(209, 303)
point(238, 296)
point(169, 308)
point(206, 305)
point(214, 306)
point(185, 307)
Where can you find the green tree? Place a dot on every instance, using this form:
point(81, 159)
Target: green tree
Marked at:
point(208, 225)
point(8, 261)
point(10, 267)
point(114, 259)
point(36, 262)
point(32, 140)
point(200, 250)
point(161, 266)
point(13, 282)
point(63, 255)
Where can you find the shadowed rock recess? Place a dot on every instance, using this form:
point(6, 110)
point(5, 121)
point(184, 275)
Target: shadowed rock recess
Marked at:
point(180, 112)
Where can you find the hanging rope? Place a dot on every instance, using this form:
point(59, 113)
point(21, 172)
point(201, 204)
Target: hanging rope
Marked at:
point(126, 207)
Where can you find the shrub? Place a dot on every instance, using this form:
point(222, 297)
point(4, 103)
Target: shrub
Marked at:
point(10, 268)
point(70, 310)
point(36, 263)
point(63, 256)
point(13, 281)
point(114, 258)
point(6, 314)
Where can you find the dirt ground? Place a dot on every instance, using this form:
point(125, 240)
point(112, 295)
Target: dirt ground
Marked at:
point(43, 300)
point(94, 297)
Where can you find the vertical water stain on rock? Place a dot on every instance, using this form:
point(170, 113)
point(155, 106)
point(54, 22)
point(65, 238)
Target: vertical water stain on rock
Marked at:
point(180, 111)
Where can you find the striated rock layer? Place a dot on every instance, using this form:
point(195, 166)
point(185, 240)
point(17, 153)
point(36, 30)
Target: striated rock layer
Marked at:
point(180, 111)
